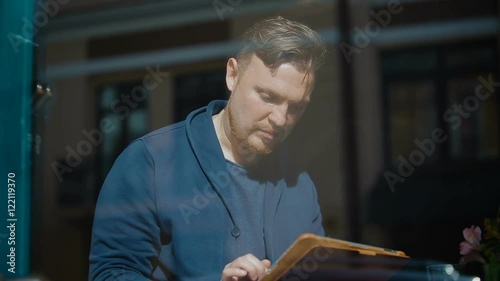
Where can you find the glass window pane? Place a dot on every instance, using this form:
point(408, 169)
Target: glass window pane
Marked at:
point(194, 90)
point(480, 56)
point(472, 122)
point(409, 62)
point(110, 147)
point(489, 140)
point(137, 124)
point(413, 115)
point(106, 97)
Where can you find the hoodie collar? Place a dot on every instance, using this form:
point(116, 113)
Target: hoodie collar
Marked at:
point(207, 150)
point(203, 139)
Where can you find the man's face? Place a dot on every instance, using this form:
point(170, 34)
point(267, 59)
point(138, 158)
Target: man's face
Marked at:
point(265, 104)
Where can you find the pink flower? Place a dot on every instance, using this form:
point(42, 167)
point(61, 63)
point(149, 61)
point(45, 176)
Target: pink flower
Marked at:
point(465, 248)
point(473, 249)
point(473, 236)
point(474, 255)
point(470, 248)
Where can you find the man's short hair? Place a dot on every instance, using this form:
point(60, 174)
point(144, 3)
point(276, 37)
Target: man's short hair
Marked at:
point(278, 40)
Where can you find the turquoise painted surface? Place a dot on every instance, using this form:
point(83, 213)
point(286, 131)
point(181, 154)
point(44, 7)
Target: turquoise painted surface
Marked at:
point(16, 68)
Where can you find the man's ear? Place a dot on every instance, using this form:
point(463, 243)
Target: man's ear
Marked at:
point(231, 74)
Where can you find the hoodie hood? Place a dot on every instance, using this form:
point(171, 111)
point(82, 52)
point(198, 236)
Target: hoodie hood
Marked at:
point(208, 152)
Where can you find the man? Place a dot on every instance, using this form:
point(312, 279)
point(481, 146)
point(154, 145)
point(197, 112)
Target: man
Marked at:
point(212, 197)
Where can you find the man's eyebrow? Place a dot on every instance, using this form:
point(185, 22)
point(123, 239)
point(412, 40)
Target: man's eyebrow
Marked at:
point(273, 93)
point(266, 90)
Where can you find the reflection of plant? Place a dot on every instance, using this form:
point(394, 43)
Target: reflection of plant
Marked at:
point(489, 250)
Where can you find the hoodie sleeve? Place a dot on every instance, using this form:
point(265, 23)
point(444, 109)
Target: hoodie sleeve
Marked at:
point(125, 235)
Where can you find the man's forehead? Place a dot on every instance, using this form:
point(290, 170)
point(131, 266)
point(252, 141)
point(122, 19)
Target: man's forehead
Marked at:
point(257, 64)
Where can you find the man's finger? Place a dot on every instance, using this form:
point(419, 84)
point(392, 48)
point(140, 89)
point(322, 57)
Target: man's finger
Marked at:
point(229, 273)
point(255, 267)
point(255, 261)
point(251, 264)
point(266, 263)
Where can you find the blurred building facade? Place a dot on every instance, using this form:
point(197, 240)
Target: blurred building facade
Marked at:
point(120, 69)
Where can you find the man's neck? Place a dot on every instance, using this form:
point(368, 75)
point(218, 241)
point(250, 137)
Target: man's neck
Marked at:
point(224, 141)
point(229, 147)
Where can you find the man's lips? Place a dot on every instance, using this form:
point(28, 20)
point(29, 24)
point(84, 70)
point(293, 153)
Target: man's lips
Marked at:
point(269, 134)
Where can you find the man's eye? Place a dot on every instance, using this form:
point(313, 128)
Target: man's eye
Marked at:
point(266, 97)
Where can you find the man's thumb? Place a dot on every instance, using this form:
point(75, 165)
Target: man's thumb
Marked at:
point(266, 263)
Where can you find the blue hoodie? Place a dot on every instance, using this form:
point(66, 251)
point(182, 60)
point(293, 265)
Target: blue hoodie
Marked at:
point(165, 211)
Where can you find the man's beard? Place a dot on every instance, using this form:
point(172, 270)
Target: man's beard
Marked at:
point(245, 147)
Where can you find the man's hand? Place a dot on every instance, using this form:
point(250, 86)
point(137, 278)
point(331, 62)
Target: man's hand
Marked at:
point(246, 267)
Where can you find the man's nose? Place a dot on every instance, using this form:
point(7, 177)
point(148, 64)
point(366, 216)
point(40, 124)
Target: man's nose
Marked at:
point(278, 115)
